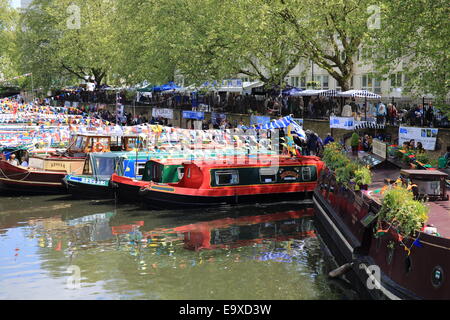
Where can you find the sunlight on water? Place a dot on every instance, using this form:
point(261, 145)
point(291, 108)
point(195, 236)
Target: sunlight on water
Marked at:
point(249, 252)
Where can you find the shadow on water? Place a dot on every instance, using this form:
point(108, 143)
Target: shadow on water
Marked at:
point(268, 251)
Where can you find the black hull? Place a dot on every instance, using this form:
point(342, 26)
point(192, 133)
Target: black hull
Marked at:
point(126, 193)
point(85, 191)
point(343, 245)
point(155, 199)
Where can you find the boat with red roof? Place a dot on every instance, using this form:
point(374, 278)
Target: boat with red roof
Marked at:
point(236, 180)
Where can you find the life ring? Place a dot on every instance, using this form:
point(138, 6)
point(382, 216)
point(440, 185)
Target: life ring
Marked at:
point(98, 147)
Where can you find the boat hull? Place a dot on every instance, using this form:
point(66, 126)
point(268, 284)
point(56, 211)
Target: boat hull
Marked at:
point(400, 274)
point(23, 180)
point(156, 199)
point(97, 189)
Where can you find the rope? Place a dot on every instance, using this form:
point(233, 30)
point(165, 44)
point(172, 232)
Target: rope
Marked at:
point(8, 177)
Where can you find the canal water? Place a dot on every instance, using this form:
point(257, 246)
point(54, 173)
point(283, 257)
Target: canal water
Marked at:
point(54, 247)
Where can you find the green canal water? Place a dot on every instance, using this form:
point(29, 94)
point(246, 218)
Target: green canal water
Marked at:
point(53, 247)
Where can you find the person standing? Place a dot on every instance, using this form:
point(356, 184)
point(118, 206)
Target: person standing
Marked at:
point(329, 139)
point(381, 113)
point(429, 115)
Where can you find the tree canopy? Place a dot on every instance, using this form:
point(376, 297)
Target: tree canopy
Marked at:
point(416, 35)
point(8, 18)
point(68, 39)
point(128, 41)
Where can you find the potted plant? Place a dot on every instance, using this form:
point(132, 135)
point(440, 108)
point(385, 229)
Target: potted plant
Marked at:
point(354, 142)
point(362, 178)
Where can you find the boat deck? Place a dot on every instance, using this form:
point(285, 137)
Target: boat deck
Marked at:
point(439, 214)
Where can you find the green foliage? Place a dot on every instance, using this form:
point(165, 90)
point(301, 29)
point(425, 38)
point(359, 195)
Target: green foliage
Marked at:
point(415, 34)
point(8, 24)
point(354, 140)
point(362, 176)
point(400, 208)
point(61, 47)
point(347, 172)
point(423, 158)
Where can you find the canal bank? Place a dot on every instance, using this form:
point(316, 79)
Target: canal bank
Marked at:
point(321, 127)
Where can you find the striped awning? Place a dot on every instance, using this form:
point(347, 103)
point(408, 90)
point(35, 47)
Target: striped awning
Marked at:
point(359, 94)
point(330, 93)
point(281, 124)
point(369, 125)
point(310, 92)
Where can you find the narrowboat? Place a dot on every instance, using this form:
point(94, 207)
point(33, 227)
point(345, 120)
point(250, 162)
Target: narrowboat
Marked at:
point(93, 183)
point(42, 175)
point(236, 180)
point(157, 170)
point(45, 173)
point(374, 254)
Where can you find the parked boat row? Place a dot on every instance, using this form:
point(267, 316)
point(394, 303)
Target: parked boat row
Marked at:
point(167, 168)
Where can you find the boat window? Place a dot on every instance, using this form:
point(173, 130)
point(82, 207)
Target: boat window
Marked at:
point(306, 174)
point(79, 142)
point(228, 177)
point(268, 175)
point(140, 169)
point(87, 167)
point(180, 171)
point(105, 167)
point(157, 174)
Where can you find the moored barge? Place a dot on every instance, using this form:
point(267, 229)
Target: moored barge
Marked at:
point(386, 263)
point(236, 180)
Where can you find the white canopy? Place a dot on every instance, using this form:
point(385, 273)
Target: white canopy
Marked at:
point(359, 94)
point(310, 92)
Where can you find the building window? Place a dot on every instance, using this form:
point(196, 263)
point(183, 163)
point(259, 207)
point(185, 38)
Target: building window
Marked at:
point(396, 80)
point(303, 83)
point(229, 177)
point(369, 83)
point(323, 81)
point(295, 81)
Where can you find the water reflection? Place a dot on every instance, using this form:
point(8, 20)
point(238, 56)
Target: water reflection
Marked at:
point(249, 252)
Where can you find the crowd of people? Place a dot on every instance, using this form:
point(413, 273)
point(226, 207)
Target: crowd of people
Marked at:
point(418, 115)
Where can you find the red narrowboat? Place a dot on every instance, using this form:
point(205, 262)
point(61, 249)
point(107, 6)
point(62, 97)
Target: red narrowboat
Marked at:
point(237, 180)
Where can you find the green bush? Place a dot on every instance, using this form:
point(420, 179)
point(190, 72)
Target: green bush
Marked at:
point(354, 140)
point(400, 208)
point(347, 172)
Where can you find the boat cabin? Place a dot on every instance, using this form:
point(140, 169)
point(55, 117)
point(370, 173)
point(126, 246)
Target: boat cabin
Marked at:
point(163, 171)
point(247, 172)
point(86, 143)
point(430, 183)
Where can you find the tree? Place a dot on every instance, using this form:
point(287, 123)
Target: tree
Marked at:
point(8, 18)
point(418, 40)
point(67, 40)
point(212, 39)
point(204, 40)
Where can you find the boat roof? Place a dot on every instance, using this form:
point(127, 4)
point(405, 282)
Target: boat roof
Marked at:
point(264, 160)
point(99, 135)
point(439, 211)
